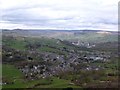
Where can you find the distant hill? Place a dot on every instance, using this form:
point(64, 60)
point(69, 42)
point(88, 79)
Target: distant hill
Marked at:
point(82, 35)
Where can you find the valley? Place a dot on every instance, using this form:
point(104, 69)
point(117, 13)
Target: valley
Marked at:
point(59, 59)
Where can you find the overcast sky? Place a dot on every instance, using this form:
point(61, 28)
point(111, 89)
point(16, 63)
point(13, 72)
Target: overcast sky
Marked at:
point(59, 14)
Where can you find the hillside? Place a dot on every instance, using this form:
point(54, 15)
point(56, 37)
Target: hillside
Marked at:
point(82, 35)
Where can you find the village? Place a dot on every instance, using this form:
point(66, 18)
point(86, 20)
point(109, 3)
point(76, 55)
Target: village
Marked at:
point(35, 65)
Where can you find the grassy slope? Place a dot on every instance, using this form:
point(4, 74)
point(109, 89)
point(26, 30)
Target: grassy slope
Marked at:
point(13, 74)
point(59, 83)
point(0, 75)
point(16, 44)
point(20, 44)
point(9, 71)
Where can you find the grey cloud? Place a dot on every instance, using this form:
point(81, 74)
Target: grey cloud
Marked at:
point(87, 16)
